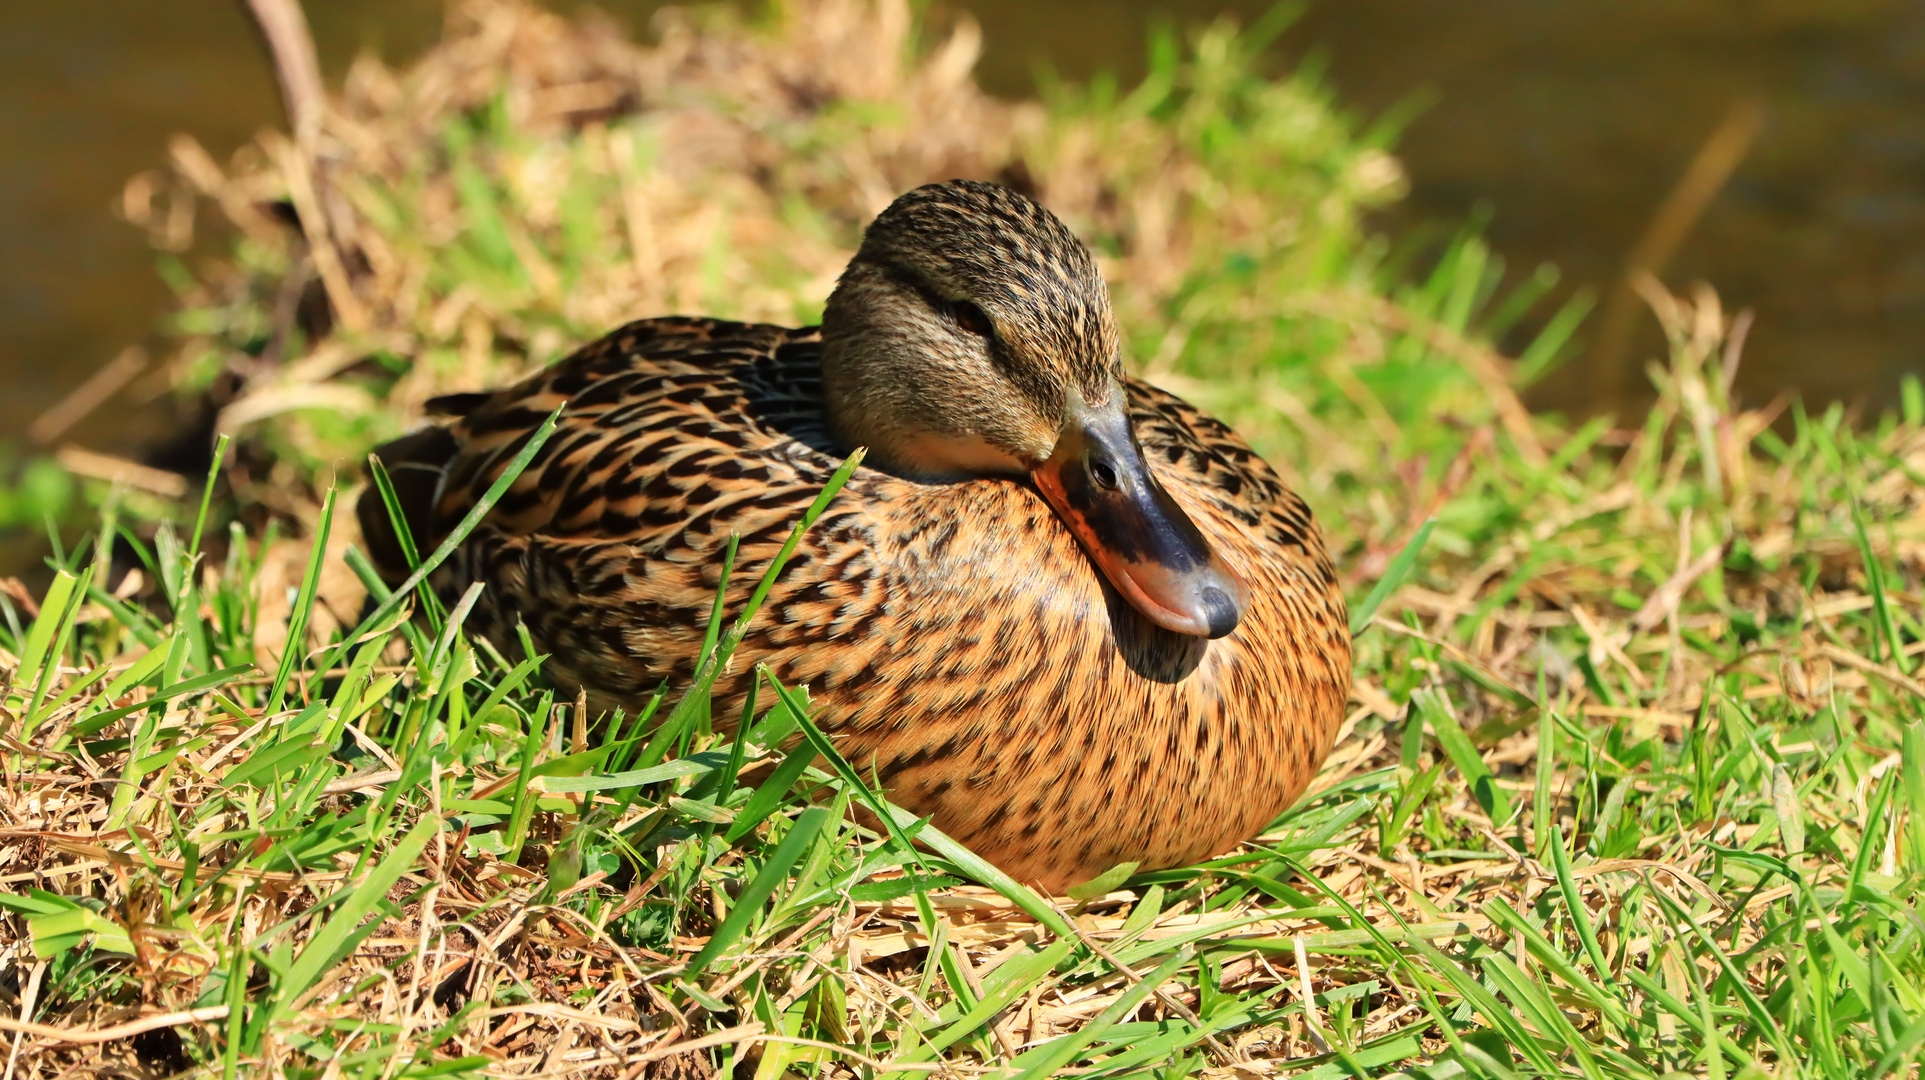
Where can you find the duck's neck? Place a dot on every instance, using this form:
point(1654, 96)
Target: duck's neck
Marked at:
point(878, 415)
point(894, 381)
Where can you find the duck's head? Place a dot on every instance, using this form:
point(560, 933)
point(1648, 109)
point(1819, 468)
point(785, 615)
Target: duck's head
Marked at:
point(971, 336)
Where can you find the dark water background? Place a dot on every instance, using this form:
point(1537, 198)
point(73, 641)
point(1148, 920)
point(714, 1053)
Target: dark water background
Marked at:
point(1563, 124)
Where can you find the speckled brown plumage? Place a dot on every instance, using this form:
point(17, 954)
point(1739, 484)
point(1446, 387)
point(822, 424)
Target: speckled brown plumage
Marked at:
point(953, 634)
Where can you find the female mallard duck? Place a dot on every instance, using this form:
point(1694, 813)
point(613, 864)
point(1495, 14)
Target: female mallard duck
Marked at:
point(1067, 615)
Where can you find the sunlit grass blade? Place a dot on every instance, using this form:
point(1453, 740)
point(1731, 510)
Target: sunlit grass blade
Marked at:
point(1395, 575)
point(343, 926)
point(1574, 904)
point(398, 520)
point(456, 536)
point(1463, 754)
point(749, 904)
point(1048, 1059)
point(524, 807)
point(1912, 776)
point(303, 608)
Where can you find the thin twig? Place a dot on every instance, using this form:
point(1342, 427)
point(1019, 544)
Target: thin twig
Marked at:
point(28, 999)
point(739, 1033)
point(1853, 660)
point(115, 470)
point(118, 1031)
point(1723, 150)
point(1663, 603)
point(284, 27)
point(82, 400)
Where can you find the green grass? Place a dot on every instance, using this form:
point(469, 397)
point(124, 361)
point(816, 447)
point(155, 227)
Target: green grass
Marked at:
point(1634, 784)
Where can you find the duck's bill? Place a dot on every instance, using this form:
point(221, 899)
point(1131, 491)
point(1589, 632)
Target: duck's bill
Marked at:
point(1143, 542)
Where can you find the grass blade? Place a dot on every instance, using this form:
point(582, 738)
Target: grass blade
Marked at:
point(749, 903)
point(1394, 576)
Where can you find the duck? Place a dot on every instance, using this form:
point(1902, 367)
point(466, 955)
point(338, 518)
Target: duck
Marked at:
point(1068, 616)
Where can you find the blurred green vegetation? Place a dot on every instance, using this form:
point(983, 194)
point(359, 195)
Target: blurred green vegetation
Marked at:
point(34, 491)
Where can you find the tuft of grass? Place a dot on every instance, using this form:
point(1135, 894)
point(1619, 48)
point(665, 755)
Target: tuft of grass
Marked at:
point(1634, 785)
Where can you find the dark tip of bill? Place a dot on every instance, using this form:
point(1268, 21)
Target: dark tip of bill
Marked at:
point(1220, 610)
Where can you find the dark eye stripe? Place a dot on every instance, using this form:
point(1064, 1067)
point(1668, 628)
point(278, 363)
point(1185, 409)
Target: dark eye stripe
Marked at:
point(967, 314)
point(972, 318)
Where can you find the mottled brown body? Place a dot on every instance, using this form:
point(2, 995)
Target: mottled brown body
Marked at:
point(954, 635)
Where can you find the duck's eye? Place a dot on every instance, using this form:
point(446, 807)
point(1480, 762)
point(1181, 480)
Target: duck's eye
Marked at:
point(972, 318)
point(1104, 474)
